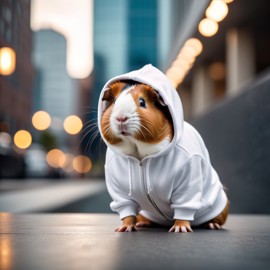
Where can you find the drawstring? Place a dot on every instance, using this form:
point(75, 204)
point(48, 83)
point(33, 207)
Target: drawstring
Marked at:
point(148, 183)
point(149, 187)
point(129, 178)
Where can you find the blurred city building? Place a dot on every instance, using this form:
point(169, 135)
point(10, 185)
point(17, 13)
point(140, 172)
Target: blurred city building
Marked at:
point(16, 89)
point(16, 82)
point(55, 91)
point(230, 59)
point(125, 38)
point(224, 85)
point(142, 37)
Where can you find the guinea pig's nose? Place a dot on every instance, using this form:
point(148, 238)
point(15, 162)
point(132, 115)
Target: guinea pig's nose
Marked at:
point(122, 118)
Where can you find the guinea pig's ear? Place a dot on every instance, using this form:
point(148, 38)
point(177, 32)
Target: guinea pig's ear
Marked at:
point(157, 98)
point(107, 99)
point(111, 93)
point(160, 99)
point(154, 95)
point(108, 95)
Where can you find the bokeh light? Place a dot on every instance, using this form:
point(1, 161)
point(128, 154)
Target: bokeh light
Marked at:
point(7, 61)
point(208, 27)
point(73, 124)
point(41, 120)
point(6, 248)
point(217, 10)
point(55, 158)
point(82, 164)
point(184, 61)
point(22, 139)
point(66, 162)
point(194, 44)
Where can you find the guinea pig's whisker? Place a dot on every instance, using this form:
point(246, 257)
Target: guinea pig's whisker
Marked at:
point(93, 127)
point(107, 122)
point(140, 132)
point(136, 129)
point(143, 126)
point(87, 113)
point(99, 146)
point(87, 125)
point(92, 109)
point(91, 120)
point(92, 139)
point(107, 132)
point(89, 128)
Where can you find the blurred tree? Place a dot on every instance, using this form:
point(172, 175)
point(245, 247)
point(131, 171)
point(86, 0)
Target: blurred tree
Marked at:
point(48, 140)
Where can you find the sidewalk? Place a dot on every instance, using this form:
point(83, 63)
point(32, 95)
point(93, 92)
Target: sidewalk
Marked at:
point(88, 241)
point(41, 195)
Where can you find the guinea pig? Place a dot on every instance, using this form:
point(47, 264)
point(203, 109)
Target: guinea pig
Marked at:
point(137, 121)
point(158, 169)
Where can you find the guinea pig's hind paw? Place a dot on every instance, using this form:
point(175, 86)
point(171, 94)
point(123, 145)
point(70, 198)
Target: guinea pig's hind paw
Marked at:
point(212, 226)
point(144, 224)
point(181, 229)
point(143, 221)
point(129, 228)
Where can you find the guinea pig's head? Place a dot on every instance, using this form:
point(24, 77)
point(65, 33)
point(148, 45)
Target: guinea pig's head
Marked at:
point(135, 111)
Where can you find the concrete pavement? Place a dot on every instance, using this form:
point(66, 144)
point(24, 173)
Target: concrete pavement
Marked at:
point(43, 195)
point(88, 241)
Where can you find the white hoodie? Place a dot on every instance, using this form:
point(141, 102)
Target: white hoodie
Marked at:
point(177, 183)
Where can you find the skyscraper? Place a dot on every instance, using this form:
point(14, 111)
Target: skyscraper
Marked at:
point(125, 38)
point(55, 91)
point(16, 89)
point(142, 21)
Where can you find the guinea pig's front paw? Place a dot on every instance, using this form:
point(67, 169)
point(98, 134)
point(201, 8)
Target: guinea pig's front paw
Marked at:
point(181, 226)
point(143, 221)
point(128, 225)
point(212, 226)
point(123, 228)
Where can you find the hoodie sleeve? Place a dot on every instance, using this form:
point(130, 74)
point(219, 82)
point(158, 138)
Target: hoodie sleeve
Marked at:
point(187, 190)
point(122, 203)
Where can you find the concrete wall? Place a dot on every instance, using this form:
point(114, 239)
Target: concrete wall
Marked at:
point(237, 134)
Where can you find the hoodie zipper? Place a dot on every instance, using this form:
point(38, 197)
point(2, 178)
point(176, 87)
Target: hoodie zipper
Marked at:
point(147, 193)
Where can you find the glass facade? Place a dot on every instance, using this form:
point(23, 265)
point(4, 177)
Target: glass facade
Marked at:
point(55, 88)
point(142, 33)
point(125, 35)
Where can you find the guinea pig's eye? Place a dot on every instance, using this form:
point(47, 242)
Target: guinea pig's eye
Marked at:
point(142, 102)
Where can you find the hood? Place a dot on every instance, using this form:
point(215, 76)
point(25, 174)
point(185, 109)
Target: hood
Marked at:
point(157, 80)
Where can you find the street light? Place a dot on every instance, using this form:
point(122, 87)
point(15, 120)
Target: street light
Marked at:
point(41, 120)
point(73, 124)
point(7, 61)
point(217, 10)
point(22, 139)
point(55, 158)
point(208, 27)
point(82, 164)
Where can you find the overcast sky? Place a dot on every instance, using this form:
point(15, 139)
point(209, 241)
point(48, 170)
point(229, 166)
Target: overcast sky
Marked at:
point(72, 18)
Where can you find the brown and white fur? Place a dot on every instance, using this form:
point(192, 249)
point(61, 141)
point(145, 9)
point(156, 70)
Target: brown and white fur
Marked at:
point(138, 123)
